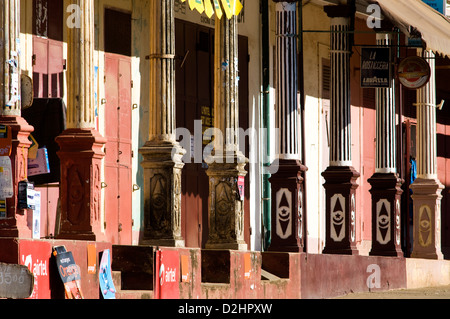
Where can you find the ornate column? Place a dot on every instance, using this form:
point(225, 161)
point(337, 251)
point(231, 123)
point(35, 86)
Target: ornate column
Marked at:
point(386, 186)
point(340, 177)
point(80, 145)
point(15, 223)
point(162, 154)
point(226, 162)
point(287, 187)
point(427, 188)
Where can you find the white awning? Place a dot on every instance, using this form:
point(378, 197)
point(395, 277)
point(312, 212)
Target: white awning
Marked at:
point(408, 15)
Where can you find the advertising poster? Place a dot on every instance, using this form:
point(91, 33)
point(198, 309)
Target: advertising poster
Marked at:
point(36, 256)
point(105, 277)
point(69, 272)
point(167, 266)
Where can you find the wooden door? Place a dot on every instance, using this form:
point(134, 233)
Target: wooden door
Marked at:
point(118, 169)
point(118, 148)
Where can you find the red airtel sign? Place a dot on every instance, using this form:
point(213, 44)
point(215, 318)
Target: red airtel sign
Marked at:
point(413, 72)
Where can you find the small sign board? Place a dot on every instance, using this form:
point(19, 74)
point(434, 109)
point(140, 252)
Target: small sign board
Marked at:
point(6, 179)
point(241, 187)
point(5, 140)
point(16, 281)
point(438, 5)
point(376, 67)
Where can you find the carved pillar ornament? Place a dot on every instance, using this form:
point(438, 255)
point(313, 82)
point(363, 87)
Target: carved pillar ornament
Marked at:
point(386, 186)
point(287, 183)
point(81, 146)
point(15, 222)
point(162, 154)
point(226, 163)
point(427, 188)
point(340, 177)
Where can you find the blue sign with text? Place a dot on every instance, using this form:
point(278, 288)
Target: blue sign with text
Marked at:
point(438, 5)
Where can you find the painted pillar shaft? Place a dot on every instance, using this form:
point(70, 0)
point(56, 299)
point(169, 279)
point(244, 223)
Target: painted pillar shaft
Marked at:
point(385, 121)
point(80, 70)
point(9, 57)
point(340, 177)
point(225, 169)
point(15, 223)
point(426, 124)
point(287, 183)
point(287, 82)
point(386, 186)
point(427, 188)
point(162, 153)
point(81, 146)
point(162, 70)
point(340, 123)
point(226, 83)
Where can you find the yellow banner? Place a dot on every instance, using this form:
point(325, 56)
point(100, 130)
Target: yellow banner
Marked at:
point(218, 9)
point(209, 10)
point(231, 7)
point(197, 4)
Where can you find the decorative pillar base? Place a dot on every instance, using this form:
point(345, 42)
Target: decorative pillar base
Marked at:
point(80, 154)
point(427, 218)
point(15, 225)
point(226, 209)
point(287, 211)
point(340, 188)
point(162, 193)
point(386, 197)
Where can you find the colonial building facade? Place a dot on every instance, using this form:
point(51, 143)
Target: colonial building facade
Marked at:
point(167, 126)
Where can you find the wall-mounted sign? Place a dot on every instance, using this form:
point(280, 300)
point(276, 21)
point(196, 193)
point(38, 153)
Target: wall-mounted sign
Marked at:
point(36, 256)
point(167, 279)
point(438, 5)
point(413, 72)
point(375, 67)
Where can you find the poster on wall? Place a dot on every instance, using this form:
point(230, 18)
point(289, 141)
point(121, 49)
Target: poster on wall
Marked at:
point(36, 256)
point(69, 272)
point(105, 277)
point(167, 266)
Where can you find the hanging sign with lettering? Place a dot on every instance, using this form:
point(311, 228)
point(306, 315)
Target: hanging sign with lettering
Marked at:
point(375, 67)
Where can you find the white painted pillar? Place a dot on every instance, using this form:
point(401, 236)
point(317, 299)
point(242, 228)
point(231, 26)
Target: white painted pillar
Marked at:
point(340, 123)
point(385, 121)
point(287, 82)
point(426, 123)
point(427, 188)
